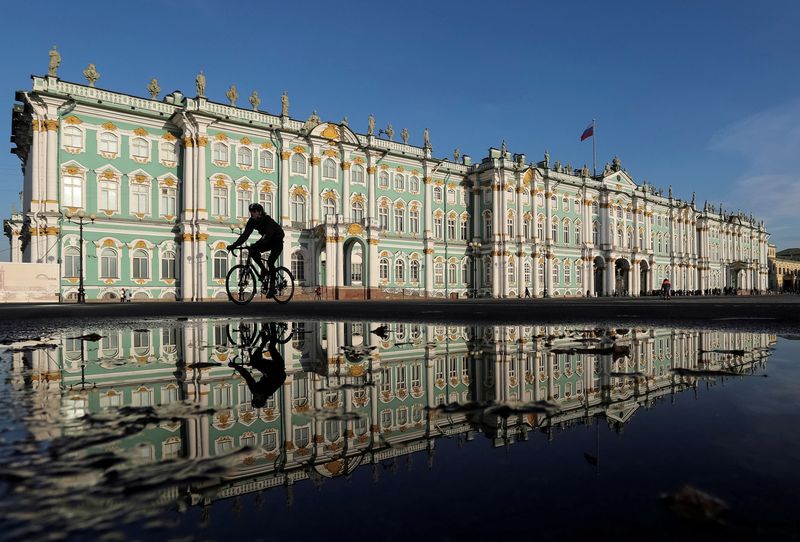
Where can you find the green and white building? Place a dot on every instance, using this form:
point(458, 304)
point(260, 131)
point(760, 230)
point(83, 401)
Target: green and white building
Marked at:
point(168, 183)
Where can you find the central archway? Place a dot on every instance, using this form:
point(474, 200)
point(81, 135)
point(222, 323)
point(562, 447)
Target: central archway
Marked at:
point(622, 269)
point(644, 278)
point(599, 268)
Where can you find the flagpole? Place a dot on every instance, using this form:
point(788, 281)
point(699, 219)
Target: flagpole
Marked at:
point(594, 151)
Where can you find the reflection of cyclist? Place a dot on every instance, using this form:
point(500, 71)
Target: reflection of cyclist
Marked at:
point(271, 239)
point(273, 371)
point(665, 287)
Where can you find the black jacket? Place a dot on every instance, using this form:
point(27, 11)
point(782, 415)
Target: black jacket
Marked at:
point(266, 226)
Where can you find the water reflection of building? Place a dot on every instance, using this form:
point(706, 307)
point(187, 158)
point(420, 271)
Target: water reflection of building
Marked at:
point(340, 409)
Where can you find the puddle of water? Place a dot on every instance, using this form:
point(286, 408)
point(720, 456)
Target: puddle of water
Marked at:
point(200, 428)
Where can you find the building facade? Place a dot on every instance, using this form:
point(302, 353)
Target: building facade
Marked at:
point(165, 186)
point(336, 413)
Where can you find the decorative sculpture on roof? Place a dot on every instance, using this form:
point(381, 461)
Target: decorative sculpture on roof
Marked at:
point(616, 165)
point(456, 155)
point(670, 191)
point(390, 131)
point(284, 104)
point(503, 148)
point(312, 122)
point(426, 138)
point(154, 89)
point(371, 125)
point(693, 197)
point(200, 83)
point(606, 169)
point(585, 171)
point(91, 75)
point(55, 62)
point(546, 160)
point(558, 166)
point(255, 101)
point(232, 95)
point(404, 136)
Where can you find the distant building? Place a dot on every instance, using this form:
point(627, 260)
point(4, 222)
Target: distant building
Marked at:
point(784, 270)
point(169, 183)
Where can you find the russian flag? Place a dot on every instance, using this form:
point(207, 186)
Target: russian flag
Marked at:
point(588, 132)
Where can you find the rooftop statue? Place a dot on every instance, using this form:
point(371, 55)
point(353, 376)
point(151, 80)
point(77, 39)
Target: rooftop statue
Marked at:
point(55, 62)
point(284, 104)
point(91, 75)
point(503, 148)
point(426, 138)
point(456, 155)
point(616, 165)
point(200, 83)
point(154, 89)
point(255, 101)
point(404, 136)
point(585, 171)
point(546, 159)
point(232, 95)
point(390, 131)
point(607, 169)
point(371, 125)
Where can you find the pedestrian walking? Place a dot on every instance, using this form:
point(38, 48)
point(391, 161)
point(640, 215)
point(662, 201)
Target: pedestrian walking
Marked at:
point(318, 292)
point(527, 292)
point(665, 288)
point(122, 296)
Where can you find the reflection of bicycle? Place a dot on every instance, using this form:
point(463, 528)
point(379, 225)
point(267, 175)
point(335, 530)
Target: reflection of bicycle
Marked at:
point(243, 279)
point(246, 334)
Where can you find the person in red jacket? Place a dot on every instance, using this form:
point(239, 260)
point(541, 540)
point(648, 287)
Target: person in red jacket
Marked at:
point(271, 239)
point(665, 288)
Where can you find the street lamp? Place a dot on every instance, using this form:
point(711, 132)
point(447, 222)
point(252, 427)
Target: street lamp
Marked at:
point(476, 247)
point(81, 220)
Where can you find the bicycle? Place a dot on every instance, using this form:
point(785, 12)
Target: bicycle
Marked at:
point(242, 281)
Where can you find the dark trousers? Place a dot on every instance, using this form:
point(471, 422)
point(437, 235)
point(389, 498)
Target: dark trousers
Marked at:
point(275, 247)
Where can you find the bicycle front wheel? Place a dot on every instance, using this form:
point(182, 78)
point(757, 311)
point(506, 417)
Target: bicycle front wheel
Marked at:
point(241, 284)
point(284, 285)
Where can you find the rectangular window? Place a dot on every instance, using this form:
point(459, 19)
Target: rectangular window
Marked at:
point(437, 227)
point(219, 202)
point(107, 198)
point(355, 272)
point(414, 221)
point(464, 230)
point(140, 198)
point(243, 200)
point(168, 201)
point(168, 266)
point(73, 191)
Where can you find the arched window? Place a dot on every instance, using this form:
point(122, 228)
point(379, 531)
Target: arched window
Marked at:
point(527, 271)
point(108, 264)
point(328, 207)
point(553, 203)
point(265, 159)
point(512, 272)
point(451, 227)
point(399, 182)
point(357, 174)
point(73, 137)
point(465, 272)
point(579, 274)
point(168, 265)
point(437, 227)
point(399, 219)
point(464, 228)
point(328, 169)
point(554, 230)
point(244, 157)
point(629, 239)
point(72, 187)
point(109, 143)
point(556, 273)
point(383, 180)
point(540, 229)
point(220, 264)
point(108, 195)
point(298, 164)
point(577, 208)
point(437, 193)
point(567, 272)
point(399, 271)
point(487, 224)
point(595, 233)
point(641, 239)
point(438, 273)
point(219, 201)
point(566, 231)
point(452, 273)
point(357, 212)
point(383, 269)
point(510, 226)
point(141, 262)
point(219, 152)
point(565, 204)
point(265, 199)
point(595, 208)
point(620, 238)
point(539, 200)
point(414, 271)
point(578, 235)
point(298, 208)
point(140, 147)
point(72, 263)
point(414, 184)
point(526, 228)
point(487, 272)
point(298, 266)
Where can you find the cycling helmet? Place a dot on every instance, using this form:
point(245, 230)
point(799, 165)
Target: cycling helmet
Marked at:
point(256, 207)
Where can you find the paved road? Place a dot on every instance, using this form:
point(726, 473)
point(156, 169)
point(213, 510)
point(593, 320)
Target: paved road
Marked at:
point(768, 313)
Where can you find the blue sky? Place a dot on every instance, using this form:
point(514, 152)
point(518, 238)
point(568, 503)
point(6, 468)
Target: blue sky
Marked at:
point(703, 95)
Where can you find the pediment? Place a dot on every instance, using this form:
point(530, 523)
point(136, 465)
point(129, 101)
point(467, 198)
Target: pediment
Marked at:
point(622, 413)
point(334, 132)
point(619, 180)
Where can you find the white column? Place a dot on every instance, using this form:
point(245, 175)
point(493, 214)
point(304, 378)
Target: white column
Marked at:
point(315, 195)
point(429, 271)
point(589, 276)
point(338, 275)
point(51, 191)
point(345, 209)
point(535, 273)
point(548, 274)
point(371, 189)
point(609, 277)
point(284, 180)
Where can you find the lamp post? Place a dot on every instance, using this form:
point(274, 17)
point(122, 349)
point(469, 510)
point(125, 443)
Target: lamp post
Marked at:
point(476, 247)
point(81, 220)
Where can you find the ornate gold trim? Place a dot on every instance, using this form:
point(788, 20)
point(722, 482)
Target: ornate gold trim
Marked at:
point(51, 125)
point(315, 160)
point(72, 119)
point(346, 166)
point(285, 155)
point(202, 141)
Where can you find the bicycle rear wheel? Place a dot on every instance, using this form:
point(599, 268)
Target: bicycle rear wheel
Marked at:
point(241, 284)
point(284, 285)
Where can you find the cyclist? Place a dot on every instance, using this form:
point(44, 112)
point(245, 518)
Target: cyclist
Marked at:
point(271, 239)
point(273, 372)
